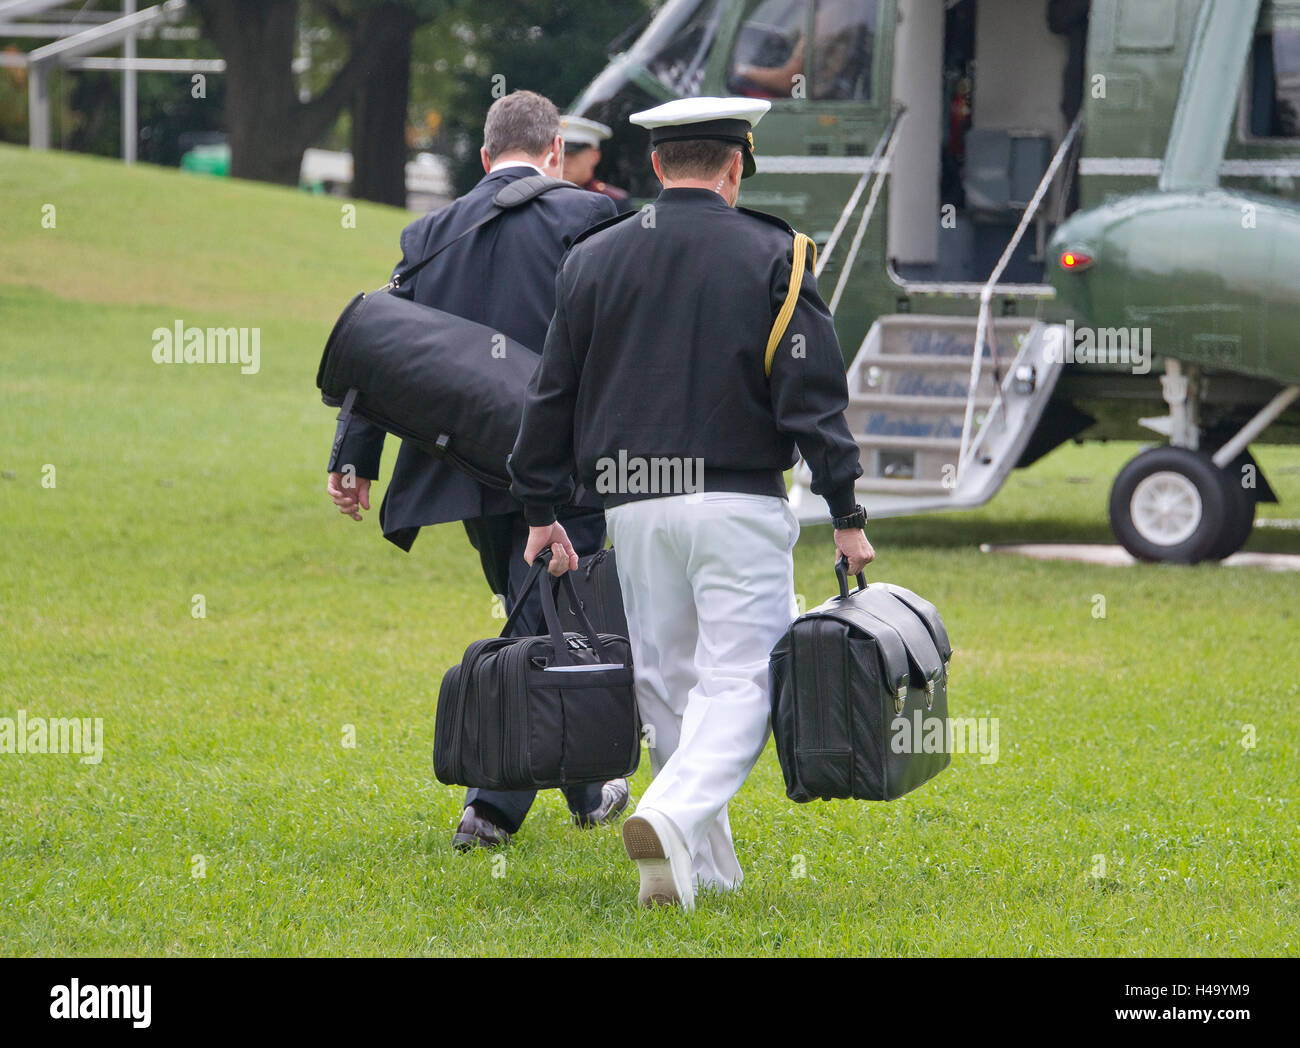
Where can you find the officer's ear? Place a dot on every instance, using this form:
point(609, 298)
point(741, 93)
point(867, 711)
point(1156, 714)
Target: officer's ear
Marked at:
point(654, 162)
point(487, 161)
point(734, 174)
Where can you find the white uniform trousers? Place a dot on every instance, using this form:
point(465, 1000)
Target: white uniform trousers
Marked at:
point(708, 588)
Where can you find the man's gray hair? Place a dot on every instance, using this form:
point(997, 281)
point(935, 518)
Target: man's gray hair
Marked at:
point(521, 122)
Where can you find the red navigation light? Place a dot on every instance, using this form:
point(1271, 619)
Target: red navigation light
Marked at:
point(1075, 260)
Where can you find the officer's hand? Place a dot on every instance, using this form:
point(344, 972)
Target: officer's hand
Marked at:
point(852, 543)
point(563, 558)
point(350, 493)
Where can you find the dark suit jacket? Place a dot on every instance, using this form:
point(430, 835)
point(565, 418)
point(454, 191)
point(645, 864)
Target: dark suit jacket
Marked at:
point(657, 352)
point(502, 275)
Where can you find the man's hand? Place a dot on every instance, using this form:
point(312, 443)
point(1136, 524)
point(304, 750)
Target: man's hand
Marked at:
point(563, 558)
point(350, 493)
point(852, 544)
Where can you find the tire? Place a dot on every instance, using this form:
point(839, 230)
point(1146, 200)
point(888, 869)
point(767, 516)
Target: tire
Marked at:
point(1240, 503)
point(1170, 505)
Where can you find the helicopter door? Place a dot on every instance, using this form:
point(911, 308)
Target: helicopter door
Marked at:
point(991, 87)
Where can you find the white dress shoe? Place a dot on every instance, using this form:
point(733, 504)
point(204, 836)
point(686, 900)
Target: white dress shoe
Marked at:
point(667, 873)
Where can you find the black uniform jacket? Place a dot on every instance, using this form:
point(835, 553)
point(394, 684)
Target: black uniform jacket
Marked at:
point(656, 350)
point(502, 275)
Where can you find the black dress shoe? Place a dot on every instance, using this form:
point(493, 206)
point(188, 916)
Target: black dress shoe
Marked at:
point(614, 796)
point(475, 831)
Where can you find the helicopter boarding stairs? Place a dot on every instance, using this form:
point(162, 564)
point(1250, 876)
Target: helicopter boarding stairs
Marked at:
point(939, 418)
point(938, 426)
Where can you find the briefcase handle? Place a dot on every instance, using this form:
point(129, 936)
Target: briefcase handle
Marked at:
point(551, 614)
point(842, 575)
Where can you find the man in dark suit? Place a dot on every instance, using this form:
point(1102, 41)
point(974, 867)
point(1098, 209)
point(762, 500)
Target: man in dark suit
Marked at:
point(501, 275)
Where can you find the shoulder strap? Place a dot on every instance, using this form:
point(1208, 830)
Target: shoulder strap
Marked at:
point(767, 217)
point(802, 242)
point(522, 190)
point(511, 195)
point(604, 223)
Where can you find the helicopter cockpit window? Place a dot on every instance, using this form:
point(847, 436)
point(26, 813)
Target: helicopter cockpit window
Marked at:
point(844, 38)
point(1275, 85)
point(768, 55)
point(772, 58)
point(675, 50)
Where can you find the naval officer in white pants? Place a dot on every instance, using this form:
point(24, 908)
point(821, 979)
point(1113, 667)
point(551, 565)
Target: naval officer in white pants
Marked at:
point(704, 627)
point(683, 367)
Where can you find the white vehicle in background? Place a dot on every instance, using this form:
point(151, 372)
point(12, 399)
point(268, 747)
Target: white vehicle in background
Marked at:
point(428, 181)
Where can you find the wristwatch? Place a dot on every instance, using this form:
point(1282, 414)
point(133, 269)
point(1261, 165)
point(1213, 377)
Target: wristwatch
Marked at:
point(856, 519)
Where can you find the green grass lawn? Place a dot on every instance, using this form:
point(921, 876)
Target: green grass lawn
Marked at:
point(228, 818)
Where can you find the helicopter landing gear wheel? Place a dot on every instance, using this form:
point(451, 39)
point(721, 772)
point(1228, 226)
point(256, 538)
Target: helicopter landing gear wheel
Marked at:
point(1239, 502)
point(1171, 504)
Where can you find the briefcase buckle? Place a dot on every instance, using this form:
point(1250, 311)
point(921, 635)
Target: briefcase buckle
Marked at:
point(900, 699)
point(929, 695)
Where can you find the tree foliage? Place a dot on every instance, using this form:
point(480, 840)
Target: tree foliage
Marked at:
point(480, 48)
point(269, 124)
point(379, 76)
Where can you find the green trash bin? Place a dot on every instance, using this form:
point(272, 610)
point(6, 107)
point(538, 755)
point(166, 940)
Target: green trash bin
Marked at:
point(208, 160)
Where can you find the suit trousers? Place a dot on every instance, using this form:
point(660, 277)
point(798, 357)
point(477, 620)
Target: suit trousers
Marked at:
point(708, 588)
point(500, 541)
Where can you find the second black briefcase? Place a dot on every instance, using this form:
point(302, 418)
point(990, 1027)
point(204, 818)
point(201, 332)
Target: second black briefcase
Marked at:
point(860, 695)
point(595, 584)
point(538, 712)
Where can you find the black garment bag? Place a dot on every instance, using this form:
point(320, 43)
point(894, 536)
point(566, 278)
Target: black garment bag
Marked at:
point(454, 388)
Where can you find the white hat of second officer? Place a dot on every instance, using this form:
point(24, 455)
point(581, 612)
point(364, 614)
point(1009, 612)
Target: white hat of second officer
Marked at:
point(579, 131)
point(722, 119)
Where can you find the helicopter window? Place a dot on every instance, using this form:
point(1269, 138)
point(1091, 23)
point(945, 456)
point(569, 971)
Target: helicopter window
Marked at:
point(771, 60)
point(1275, 85)
point(769, 50)
point(678, 62)
point(844, 37)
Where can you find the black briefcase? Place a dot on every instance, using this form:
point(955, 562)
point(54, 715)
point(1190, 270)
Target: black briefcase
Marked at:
point(596, 587)
point(537, 712)
point(860, 695)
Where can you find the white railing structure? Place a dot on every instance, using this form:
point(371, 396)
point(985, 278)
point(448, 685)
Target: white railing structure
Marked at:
point(985, 327)
point(879, 166)
point(22, 8)
point(873, 164)
point(89, 40)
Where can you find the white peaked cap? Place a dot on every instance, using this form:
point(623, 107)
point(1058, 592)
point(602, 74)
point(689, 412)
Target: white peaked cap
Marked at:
point(579, 131)
point(690, 119)
point(701, 110)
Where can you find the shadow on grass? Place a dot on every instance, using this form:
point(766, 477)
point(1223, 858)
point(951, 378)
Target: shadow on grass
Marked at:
point(954, 532)
point(959, 532)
